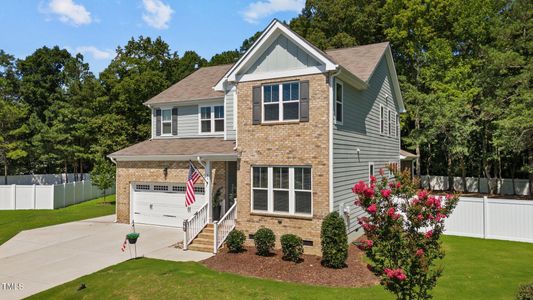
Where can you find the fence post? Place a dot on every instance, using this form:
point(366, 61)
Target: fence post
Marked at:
point(74, 189)
point(14, 195)
point(485, 217)
point(64, 194)
point(34, 196)
point(53, 191)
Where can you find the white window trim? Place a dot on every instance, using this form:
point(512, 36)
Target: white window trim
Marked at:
point(371, 164)
point(389, 122)
point(280, 102)
point(212, 119)
point(397, 127)
point(270, 192)
point(381, 119)
point(171, 125)
point(337, 81)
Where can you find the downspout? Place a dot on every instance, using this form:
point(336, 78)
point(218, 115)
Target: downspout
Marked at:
point(330, 151)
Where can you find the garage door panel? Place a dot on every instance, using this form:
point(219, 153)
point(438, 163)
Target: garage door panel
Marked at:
point(151, 205)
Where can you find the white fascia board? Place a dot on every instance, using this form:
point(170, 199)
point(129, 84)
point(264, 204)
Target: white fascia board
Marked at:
point(281, 74)
point(213, 157)
point(348, 77)
point(394, 78)
point(273, 31)
point(187, 102)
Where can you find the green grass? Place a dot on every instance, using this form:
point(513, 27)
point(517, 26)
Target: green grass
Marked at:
point(474, 269)
point(14, 221)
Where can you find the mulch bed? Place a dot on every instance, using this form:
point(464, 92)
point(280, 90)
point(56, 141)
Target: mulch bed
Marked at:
point(308, 271)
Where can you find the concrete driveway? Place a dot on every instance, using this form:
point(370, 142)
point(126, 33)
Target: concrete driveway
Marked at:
point(39, 259)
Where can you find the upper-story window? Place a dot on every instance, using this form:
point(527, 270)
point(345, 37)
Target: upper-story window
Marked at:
point(166, 121)
point(281, 101)
point(212, 119)
point(339, 95)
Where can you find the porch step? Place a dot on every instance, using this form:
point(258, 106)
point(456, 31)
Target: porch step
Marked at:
point(201, 248)
point(204, 241)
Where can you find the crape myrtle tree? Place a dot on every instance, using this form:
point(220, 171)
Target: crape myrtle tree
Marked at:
point(402, 229)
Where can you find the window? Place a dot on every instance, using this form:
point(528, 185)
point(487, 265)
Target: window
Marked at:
point(285, 110)
point(160, 188)
point(144, 187)
point(166, 121)
point(389, 122)
point(370, 170)
point(338, 102)
point(397, 129)
point(282, 190)
point(382, 119)
point(212, 119)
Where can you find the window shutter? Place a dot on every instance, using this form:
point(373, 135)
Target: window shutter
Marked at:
point(175, 121)
point(304, 101)
point(157, 122)
point(256, 110)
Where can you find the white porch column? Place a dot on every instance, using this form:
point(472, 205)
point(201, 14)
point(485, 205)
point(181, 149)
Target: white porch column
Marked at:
point(208, 187)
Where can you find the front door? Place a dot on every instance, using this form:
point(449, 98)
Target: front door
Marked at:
point(231, 181)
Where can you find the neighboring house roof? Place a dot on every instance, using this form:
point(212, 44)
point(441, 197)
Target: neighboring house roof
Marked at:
point(407, 155)
point(196, 86)
point(178, 149)
point(359, 60)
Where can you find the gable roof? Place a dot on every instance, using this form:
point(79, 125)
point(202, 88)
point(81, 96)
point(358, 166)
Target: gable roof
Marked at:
point(361, 61)
point(196, 86)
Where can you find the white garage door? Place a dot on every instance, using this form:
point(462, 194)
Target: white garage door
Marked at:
point(163, 203)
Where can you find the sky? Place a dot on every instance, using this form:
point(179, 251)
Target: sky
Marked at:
point(96, 28)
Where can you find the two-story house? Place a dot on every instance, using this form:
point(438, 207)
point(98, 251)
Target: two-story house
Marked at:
point(281, 136)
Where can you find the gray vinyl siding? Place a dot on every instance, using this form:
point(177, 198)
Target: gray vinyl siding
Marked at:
point(230, 115)
point(282, 55)
point(361, 129)
point(188, 121)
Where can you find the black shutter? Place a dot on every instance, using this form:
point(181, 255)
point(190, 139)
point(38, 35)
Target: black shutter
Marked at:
point(157, 122)
point(175, 121)
point(256, 113)
point(304, 101)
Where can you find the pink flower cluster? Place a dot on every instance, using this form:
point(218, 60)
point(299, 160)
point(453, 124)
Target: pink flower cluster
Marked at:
point(433, 202)
point(366, 244)
point(428, 234)
point(396, 273)
point(361, 188)
point(385, 193)
point(372, 208)
point(420, 252)
point(363, 221)
point(391, 212)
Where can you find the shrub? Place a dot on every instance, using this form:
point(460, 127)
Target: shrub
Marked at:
point(292, 247)
point(525, 292)
point(264, 240)
point(334, 241)
point(235, 241)
point(403, 227)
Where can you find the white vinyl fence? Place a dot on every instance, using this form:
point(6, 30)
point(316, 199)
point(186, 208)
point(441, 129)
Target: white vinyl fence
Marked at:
point(501, 219)
point(42, 179)
point(48, 196)
point(476, 185)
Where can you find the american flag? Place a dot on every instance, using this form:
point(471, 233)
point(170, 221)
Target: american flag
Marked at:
point(194, 175)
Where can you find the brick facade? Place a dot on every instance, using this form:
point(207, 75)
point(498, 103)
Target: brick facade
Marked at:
point(287, 144)
point(152, 171)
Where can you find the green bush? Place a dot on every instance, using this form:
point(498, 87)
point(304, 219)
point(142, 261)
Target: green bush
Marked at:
point(292, 247)
point(334, 241)
point(264, 240)
point(525, 292)
point(235, 241)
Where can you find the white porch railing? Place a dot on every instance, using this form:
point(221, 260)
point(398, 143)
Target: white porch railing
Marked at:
point(193, 225)
point(224, 226)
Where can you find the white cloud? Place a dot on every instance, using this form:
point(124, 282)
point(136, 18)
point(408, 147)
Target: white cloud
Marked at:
point(260, 9)
point(70, 12)
point(95, 52)
point(157, 14)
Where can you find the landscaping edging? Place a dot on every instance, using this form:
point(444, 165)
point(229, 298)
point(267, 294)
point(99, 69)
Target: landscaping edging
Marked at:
point(309, 271)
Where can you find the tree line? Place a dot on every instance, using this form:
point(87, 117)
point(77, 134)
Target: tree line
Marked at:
point(464, 70)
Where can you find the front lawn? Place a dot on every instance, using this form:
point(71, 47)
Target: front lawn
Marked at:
point(14, 221)
point(474, 269)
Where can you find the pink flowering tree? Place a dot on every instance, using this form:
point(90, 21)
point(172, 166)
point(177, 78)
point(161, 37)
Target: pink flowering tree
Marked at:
point(403, 227)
